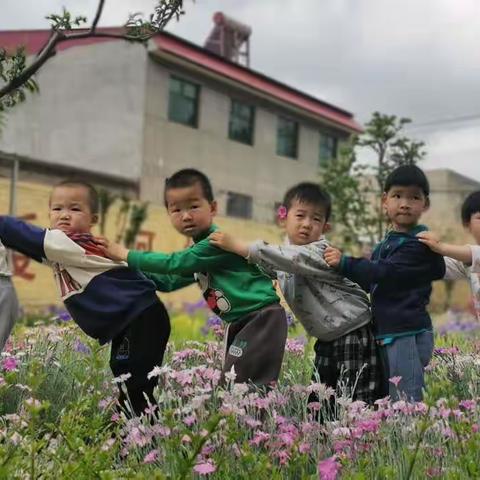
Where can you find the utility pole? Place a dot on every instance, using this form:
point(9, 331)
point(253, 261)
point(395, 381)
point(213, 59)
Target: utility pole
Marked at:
point(13, 188)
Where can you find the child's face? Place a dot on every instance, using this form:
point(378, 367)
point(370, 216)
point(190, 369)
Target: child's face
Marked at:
point(305, 223)
point(474, 226)
point(404, 206)
point(190, 212)
point(69, 209)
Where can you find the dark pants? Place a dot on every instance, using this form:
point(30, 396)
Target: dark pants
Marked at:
point(351, 365)
point(255, 345)
point(137, 350)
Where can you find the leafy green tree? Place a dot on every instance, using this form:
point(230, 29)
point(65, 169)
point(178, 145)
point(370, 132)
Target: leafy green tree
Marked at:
point(356, 188)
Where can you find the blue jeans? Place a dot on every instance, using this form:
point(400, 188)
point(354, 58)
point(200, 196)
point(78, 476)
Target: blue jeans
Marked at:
point(407, 357)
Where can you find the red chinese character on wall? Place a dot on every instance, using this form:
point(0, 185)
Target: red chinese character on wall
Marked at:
point(144, 240)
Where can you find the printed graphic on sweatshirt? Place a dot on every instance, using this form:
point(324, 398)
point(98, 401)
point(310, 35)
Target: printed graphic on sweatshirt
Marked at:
point(215, 298)
point(67, 285)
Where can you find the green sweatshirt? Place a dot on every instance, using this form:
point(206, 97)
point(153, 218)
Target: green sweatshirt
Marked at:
point(231, 286)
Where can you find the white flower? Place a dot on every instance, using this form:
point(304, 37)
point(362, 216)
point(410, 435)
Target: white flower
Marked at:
point(122, 378)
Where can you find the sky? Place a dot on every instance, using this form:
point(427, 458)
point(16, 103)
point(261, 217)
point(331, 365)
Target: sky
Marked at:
point(411, 58)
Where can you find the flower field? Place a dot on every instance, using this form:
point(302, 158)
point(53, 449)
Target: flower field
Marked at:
point(58, 417)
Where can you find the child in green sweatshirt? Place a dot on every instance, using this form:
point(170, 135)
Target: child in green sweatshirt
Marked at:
point(235, 290)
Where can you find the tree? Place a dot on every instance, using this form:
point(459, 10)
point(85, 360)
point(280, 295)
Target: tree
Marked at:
point(353, 185)
point(17, 74)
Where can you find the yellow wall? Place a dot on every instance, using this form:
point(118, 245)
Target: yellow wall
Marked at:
point(41, 291)
point(32, 199)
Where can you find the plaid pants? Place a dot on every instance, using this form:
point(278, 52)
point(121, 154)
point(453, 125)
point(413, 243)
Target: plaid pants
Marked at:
point(350, 364)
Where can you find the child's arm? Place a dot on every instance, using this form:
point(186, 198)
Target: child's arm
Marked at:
point(23, 237)
point(169, 282)
point(201, 257)
point(229, 244)
point(412, 265)
point(297, 259)
point(462, 253)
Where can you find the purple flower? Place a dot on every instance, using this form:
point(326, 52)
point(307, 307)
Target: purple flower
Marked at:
point(63, 316)
point(81, 347)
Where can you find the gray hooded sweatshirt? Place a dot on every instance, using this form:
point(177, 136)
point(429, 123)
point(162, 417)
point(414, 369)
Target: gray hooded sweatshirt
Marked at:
point(327, 304)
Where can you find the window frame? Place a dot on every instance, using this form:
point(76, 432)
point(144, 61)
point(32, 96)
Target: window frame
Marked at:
point(285, 120)
point(170, 113)
point(251, 140)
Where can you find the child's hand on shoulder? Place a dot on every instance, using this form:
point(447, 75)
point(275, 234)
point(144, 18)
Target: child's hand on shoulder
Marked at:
point(431, 240)
point(112, 250)
point(226, 242)
point(332, 256)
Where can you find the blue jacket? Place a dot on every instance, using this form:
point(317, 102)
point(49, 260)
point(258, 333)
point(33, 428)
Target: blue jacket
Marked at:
point(101, 295)
point(398, 278)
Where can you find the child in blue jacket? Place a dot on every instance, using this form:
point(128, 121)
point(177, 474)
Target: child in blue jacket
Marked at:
point(398, 278)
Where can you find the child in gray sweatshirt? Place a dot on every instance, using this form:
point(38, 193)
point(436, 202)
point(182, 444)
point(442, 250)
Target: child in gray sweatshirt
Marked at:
point(332, 308)
point(9, 308)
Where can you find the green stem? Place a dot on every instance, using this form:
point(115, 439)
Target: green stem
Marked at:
point(417, 445)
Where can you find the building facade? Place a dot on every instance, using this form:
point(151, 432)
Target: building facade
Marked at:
point(139, 114)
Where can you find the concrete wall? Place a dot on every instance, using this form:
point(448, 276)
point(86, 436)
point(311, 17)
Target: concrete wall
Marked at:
point(89, 112)
point(232, 166)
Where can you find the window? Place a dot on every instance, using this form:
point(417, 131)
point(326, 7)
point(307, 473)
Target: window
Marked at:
point(328, 149)
point(242, 118)
point(287, 138)
point(183, 102)
point(239, 205)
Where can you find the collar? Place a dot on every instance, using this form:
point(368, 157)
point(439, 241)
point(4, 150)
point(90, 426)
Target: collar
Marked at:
point(205, 233)
point(411, 233)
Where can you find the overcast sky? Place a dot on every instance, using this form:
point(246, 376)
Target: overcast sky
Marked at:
point(413, 58)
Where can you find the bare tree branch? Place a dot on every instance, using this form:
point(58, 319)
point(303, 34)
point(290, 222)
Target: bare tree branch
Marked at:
point(45, 53)
point(140, 32)
point(98, 14)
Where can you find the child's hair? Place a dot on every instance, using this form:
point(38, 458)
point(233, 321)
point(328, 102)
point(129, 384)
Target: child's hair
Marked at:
point(187, 178)
point(308, 192)
point(408, 176)
point(93, 199)
point(471, 205)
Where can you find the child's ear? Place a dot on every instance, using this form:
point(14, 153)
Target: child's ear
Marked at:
point(94, 219)
point(427, 204)
point(327, 227)
point(213, 207)
point(384, 199)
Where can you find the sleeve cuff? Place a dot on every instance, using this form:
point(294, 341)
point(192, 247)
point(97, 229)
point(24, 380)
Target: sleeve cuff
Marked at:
point(133, 259)
point(342, 267)
point(253, 251)
point(475, 258)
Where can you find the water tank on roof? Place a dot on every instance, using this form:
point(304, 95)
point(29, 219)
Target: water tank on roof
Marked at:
point(230, 39)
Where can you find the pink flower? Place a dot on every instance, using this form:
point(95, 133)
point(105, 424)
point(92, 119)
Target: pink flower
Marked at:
point(328, 469)
point(259, 438)
point(468, 404)
point(395, 380)
point(282, 212)
point(151, 456)
point(304, 448)
point(10, 364)
point(204, 468)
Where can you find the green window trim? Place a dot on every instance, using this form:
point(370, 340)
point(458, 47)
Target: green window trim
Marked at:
point(183, 99)
point(287, 138)
point(241, 125)
point(328, 149)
